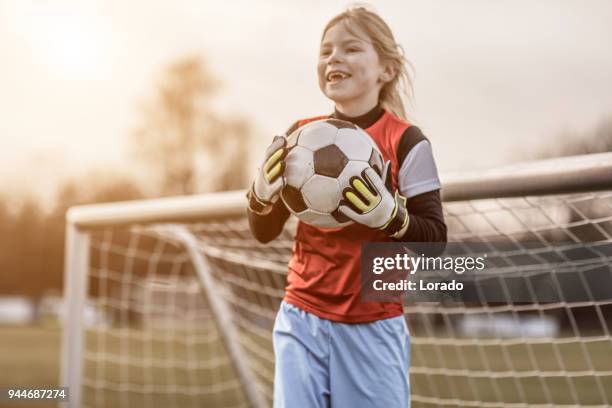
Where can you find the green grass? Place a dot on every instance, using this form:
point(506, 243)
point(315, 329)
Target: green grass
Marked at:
point(30, 356)
point(530, 361)
point(152, 350)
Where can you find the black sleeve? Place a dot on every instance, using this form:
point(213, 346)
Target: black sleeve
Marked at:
point(426, 219)
point(266, 227)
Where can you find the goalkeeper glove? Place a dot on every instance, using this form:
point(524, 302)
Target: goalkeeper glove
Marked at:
point(269, 180)
point(370, 202)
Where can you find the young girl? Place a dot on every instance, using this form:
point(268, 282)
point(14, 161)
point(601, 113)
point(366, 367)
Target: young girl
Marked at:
point(331, 348)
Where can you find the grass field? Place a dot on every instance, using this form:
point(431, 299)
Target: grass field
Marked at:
point(168, 368)
point(30, 356)
point(543, 372)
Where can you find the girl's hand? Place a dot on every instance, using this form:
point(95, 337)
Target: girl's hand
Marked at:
point(269, 180)
point(370, 202)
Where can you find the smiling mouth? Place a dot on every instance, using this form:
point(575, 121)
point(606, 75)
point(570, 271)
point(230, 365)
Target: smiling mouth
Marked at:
point(336, 76)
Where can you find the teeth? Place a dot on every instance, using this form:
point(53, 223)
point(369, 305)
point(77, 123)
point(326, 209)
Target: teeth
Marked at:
point(336, 75)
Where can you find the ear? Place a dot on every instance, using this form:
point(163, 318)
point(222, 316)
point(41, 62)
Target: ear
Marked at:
point(388, 74)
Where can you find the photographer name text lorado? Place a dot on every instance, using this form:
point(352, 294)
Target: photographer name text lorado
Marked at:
point(420, 284)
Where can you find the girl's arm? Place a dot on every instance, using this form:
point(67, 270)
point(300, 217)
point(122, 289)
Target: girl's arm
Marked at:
point(419, 182)
point(266, 227)
point(425, 219)
point(266, 220)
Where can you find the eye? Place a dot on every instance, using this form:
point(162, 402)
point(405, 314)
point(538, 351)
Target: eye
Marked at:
point(325, 52)
point(352, 50)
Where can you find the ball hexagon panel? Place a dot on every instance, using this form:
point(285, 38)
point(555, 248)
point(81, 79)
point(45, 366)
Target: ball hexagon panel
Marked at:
point(292, 197)
point(329, 161)
point(321, 193)
point(299, 166)
point(317, 135)
point(355, 146)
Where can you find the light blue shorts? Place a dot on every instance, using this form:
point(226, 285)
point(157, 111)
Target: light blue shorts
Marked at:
point(320, 363)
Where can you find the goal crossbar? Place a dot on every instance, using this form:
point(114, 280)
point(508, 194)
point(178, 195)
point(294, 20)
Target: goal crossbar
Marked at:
point(553, 176)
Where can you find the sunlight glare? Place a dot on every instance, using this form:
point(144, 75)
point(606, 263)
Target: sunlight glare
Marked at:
point(72, 44)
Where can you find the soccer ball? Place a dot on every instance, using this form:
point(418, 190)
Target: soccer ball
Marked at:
point(323, 156)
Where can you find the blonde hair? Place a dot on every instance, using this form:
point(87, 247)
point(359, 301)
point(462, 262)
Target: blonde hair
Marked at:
point(392, 94)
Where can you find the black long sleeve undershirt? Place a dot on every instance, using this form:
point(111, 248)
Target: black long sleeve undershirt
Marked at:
point(267, 227)
point(426, 219)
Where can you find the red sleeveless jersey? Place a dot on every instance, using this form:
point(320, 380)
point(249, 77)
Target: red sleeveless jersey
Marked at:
point(324, 275)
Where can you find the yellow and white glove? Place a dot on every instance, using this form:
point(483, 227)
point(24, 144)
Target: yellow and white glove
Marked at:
point(269, 180)
point(370, 202)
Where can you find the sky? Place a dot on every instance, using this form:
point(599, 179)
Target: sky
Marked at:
point(495, 81)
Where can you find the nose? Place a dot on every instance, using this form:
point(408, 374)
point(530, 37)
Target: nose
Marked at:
point(335, 56)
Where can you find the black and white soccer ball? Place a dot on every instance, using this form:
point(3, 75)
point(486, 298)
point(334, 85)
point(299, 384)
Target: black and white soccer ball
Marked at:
point(323, 156)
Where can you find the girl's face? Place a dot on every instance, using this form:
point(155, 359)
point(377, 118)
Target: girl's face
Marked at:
point(350, 71)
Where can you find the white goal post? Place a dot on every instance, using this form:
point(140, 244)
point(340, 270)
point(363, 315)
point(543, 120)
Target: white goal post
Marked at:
point(188, 299)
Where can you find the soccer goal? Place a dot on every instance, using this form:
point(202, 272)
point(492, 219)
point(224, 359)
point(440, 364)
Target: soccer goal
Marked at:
point(188, 299)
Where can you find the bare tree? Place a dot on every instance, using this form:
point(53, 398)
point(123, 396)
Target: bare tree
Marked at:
point(33, 239)
point(187, 145)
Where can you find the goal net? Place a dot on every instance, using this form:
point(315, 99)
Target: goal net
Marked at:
point(188, 298)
